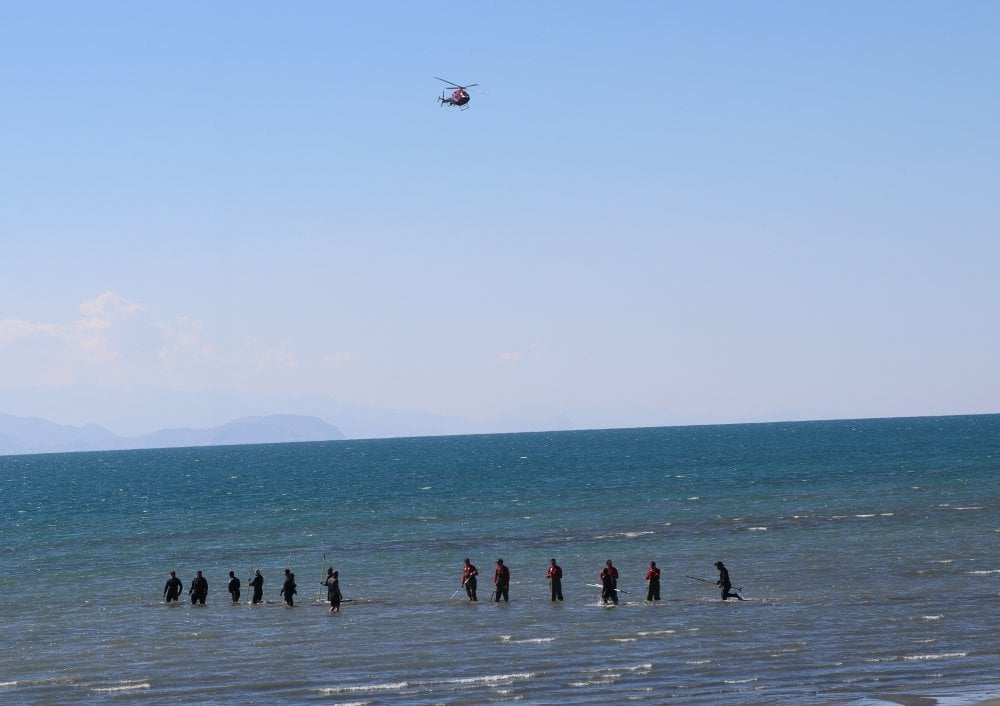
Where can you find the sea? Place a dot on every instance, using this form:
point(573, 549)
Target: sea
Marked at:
point(868, 552)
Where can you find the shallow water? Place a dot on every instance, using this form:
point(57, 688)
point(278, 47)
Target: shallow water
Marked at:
point(868, 550)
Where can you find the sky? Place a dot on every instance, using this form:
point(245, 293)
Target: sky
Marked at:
point(652, 213)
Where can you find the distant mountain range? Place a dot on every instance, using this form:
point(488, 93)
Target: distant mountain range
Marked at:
point(28, 435)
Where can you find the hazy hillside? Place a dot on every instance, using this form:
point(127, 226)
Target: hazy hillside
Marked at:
point(25, 435)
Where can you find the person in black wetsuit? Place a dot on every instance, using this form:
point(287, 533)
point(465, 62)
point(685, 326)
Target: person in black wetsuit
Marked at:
point(288, 589)
point(199, 589)
point(173, 588)
point(257, 583)
point(333, 590)
point(725, 584)
point(234, 587)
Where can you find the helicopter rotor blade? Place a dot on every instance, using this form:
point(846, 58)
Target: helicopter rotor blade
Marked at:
point(455, 84)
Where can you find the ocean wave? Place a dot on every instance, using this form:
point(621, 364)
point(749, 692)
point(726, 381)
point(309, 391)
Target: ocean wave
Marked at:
point(940, 655)
point(391, 686)
point(604, 681)
point(124, 686)
point(635, 668)
point(526, 641)
point(626, 535)
point(488, 680)
point(984, 572)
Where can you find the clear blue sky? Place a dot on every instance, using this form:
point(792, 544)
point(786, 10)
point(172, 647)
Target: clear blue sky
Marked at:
point(661, 213)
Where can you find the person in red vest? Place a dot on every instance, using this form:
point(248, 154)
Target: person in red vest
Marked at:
point(554, 575)
point(614, 572)
point(501, 582)
point(609, 584)
point(469, 574)
point(653, 579)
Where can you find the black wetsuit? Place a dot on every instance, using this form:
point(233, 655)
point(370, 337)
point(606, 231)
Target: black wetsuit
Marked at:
point(469, 581)
point(555, 582)
point(173, 589)
point(333, 592)
point(199, 590)
point(609, 591)
point(288, 590)
point(257, 583)
point(653, 592)
point(234, 589)
point(726, 584)
point(501, 584)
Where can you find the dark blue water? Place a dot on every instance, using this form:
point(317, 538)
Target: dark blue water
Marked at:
point(869, 550)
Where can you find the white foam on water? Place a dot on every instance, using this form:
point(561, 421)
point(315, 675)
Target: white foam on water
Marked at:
point(931, 617)
point(525, 641)
point(592, 682)
point(740, 681)
point(627, 535)
point(984, 573)
point(123, 686)
point(392, 686)
point(756, 529)
point(7, 684)
point(696, 662)
point(941, 655)
point(489, 680)
point(653, 633)
point(971, 507)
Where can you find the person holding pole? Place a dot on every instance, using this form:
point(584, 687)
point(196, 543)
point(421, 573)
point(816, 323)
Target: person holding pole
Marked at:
point(469, 573)
point(257, 583)
point(333, 590)
point(501, 582)
point(609, 584)
point(725, 583)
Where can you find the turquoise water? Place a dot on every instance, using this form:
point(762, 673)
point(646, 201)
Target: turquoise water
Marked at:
point(868, 549)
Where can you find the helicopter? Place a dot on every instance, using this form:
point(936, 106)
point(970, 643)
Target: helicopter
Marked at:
point(458, 98)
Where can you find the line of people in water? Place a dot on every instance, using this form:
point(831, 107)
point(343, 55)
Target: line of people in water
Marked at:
point(608, 576)
point(198, 590)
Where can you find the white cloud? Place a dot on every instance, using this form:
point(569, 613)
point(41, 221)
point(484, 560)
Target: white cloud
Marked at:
point(535, 350)
point(112, 341)
point(335, 360)
point(509, 358)
point(17, 329)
